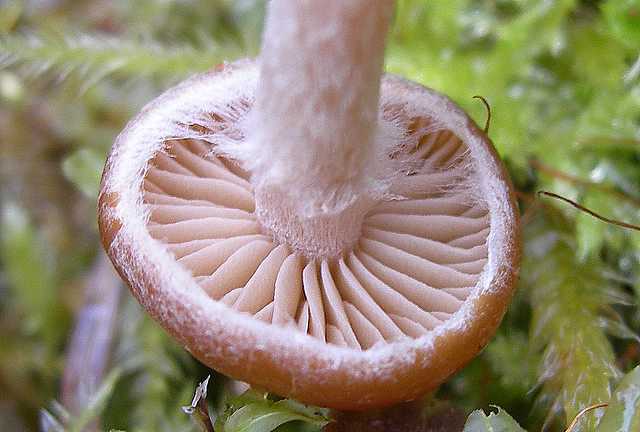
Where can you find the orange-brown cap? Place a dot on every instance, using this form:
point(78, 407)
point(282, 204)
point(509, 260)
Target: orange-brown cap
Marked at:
point(416, 290)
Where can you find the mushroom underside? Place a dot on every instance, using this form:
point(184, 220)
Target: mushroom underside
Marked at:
point(420, 252)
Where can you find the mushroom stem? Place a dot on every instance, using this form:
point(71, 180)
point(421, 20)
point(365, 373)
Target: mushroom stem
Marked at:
point(314, 122)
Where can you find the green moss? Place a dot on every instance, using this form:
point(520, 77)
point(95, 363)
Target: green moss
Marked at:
point(563, 81)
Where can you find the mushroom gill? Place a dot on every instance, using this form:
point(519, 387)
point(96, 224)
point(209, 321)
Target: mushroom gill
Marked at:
point(418, 257)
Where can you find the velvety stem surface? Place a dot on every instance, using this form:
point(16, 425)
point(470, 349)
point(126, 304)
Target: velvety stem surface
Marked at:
point(316, 109)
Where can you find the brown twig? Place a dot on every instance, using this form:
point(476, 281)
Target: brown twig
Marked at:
point(583, 412)
point(591, 212)
point(536, 164)
point(488, 107)
point(89, 348)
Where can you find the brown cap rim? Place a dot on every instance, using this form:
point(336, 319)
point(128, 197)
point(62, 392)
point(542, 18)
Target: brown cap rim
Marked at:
point(266, 356)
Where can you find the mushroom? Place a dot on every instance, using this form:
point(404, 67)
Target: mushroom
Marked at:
point(312, 226)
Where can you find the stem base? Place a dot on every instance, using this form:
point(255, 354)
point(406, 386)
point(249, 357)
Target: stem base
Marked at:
point(327, 235)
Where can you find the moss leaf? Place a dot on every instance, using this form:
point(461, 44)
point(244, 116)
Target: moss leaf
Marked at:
point(499, 421)
point(623, 413)
point(83, 169)
point(250, 413)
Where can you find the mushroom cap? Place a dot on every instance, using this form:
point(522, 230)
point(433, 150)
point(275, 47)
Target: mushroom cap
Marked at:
point(418, 296)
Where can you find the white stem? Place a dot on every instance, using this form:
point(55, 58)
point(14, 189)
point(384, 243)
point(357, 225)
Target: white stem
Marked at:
point(315, 114)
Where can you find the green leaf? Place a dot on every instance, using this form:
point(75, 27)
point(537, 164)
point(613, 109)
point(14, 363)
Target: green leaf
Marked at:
point(499, 421)
point(58, 419)
point(97, 403)
point(84, 168)
point(255, 414)
point(623, 18)
point(623, 412)
point(26, 258)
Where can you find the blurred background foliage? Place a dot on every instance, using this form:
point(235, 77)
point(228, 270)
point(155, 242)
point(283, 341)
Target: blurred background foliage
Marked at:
point(562, 78)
